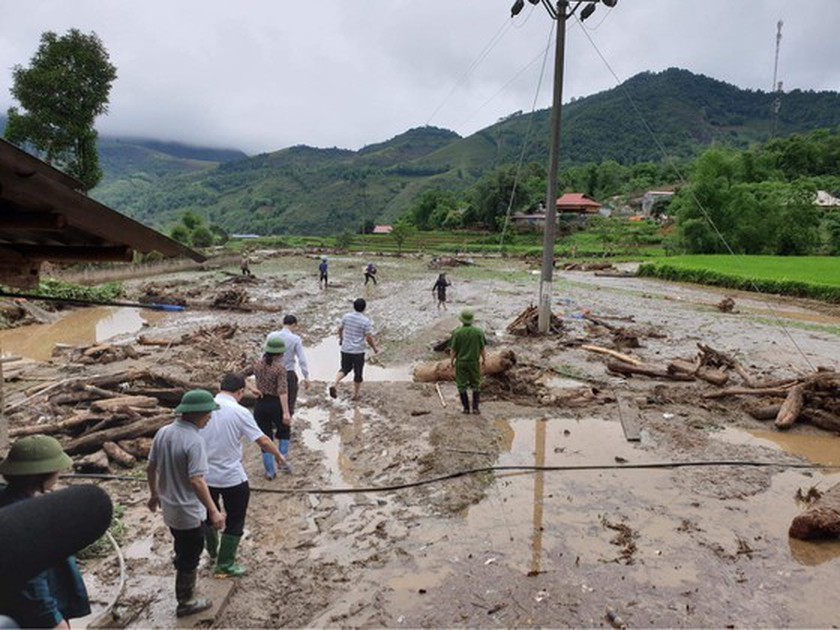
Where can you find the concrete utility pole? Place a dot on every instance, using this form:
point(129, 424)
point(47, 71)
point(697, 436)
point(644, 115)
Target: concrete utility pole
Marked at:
point(561, 14)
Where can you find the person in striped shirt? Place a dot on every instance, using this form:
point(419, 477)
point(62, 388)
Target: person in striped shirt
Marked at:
point(355, 329)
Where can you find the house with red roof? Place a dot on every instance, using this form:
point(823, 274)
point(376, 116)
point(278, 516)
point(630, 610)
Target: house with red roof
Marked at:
point(577, 203)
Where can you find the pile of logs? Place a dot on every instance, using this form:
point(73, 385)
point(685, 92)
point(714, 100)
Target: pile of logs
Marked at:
point(448, 261)
point(108, 418)
point(496, 363)
point(205, 334)
point(526, 323)
point(235, 298)
point(102, 353)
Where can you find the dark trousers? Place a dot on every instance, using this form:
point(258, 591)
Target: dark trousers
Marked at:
point(189, 543)
point(268, 412)
point(235, 500)
point(370, 276)
point(292, 381)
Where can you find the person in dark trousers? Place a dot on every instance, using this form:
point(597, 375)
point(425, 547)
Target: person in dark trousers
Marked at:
point(322, 269)
point(175, 474)
point(355, 329)
point(467, 355)
point(245, 264)
point(272, 411)
point(52, 597)
point(226, 478)
point(292, 357)
point(370, 273)
point(440, 288)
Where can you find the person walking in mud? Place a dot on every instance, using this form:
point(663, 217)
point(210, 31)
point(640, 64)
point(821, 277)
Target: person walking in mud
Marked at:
point(355, 329)
point(370, 273)
point(440, 289)
point(176, 476)
point(292, 357)
point(467, 355)
point(322, 269)
point(272, 408)
point(226, 478)
point(245, 264)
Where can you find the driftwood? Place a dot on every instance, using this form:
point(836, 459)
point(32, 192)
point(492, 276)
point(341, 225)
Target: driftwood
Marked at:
point(140, 428)
point(112, 404)
point(620, 367)
point(821, 519)
point(822, 419)
point(497, 363)
point(764, 412)
point(139, 447)
point(61, 426)
point(715, 358)
point(626, 358)
point(94, 463)
point(747, 391)
point(118, 455)
point(715, 377)
point(527, 323)
point(791, 408)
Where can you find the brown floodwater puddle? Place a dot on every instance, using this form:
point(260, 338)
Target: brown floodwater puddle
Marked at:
point(79, 327)
point(324, 359)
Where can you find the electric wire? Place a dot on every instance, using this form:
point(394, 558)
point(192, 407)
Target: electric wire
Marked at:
point(495, 39)
point(672, 164)
point(527, 139)
point(488, 469)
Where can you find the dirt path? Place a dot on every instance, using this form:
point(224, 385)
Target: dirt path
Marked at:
point(663, 547)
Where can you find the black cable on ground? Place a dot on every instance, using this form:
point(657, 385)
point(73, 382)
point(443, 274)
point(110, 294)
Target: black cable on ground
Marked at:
point(486, 469)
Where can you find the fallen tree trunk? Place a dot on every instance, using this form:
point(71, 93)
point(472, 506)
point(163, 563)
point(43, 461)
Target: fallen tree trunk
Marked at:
point(791, 408)
point(715, 377)
point(116, 454)
point(139, 447)
point(764, 412)
point(821, 419)
point(112, 404)
point(621, 367)
point(140, 428)
point(746, 391)
point(821, 519)
point(626, 358)
point(61, 426)
point(497, 363)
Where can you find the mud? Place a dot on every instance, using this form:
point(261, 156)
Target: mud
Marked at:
point(662, 547)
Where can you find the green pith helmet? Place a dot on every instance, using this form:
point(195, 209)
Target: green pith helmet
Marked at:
point(196, 401)
point(467, 317)
point(275, 345)
point(35, 455)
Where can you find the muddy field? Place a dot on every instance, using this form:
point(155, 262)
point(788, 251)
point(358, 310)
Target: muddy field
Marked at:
point(655, 546)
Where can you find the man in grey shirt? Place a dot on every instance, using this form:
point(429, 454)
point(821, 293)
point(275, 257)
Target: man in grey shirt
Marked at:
point(355, 329)
point(175, 474)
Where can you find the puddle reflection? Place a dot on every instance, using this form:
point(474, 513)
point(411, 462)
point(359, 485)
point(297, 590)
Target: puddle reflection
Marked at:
point(324, 360)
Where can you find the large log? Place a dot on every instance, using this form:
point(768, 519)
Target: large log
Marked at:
point(620, 367)
point(112, 404)
point(140, 428)
point(764, 411)
point(139, 447)
point(62, 426)
point(791, 408)
point(116, 454)
point(822, 419)
point(715, 377)
point(626, 358)
point(821, 519)
point(497, 363)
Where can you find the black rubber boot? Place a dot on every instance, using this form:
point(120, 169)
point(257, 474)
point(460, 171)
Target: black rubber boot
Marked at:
point(476, 400)
point(465, 400)
point(185, 594)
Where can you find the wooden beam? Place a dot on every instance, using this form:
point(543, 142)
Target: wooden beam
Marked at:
point(72, 253)
point(33, 222)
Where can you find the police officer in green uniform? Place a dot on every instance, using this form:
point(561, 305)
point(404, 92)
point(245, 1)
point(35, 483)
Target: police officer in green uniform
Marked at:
point(467, 349)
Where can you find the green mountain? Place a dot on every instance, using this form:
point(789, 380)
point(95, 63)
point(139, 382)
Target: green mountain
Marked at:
point(306, 190)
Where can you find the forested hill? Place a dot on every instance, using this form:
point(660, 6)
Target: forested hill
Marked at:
point(309, 190)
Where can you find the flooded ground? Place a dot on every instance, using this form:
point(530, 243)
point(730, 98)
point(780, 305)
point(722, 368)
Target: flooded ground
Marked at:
point(402, 512)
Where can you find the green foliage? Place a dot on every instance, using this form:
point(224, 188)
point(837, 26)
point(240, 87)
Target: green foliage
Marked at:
point(67, 290)
point(344, 240)
point(102, 547)
point(191, 220)
point(62, 92)
point(201, 237)
point(181, 234)
point(813, 277)
point(400, 232)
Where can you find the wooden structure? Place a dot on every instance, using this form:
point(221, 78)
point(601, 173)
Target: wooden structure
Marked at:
point(577, 203)
point(44, 216)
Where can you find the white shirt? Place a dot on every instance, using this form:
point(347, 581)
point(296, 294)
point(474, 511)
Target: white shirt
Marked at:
point(223, 439)
point(294, 350)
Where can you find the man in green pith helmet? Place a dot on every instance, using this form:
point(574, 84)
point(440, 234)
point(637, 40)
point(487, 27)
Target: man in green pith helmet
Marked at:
point(467, 355)
point(176, 471)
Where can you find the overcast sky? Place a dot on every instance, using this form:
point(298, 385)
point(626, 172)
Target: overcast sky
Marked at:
point(261, 75)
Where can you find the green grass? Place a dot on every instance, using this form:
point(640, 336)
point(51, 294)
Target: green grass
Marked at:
point(801, 276)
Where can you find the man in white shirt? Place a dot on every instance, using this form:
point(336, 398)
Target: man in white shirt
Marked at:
point(292, 357)
point(226, 476)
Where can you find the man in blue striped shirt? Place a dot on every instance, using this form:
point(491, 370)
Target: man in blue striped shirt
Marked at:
point(354, 331)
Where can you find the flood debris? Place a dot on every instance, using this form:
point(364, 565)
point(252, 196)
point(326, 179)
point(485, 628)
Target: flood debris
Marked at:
point(438, 262)
point(527, 323)
point(726, 305)
point(496, 362)
point(821, 519)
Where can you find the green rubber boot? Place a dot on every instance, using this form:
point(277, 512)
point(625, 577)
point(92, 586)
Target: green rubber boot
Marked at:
point(211, 541)
point(225, 564)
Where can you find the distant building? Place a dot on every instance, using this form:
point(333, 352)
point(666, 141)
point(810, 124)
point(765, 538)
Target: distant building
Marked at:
point(244, 235)
point(577, 203)
point(827, 200)
point(652, 197)
point(382, 229)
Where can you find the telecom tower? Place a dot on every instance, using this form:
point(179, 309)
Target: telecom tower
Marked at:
point(777, 86)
